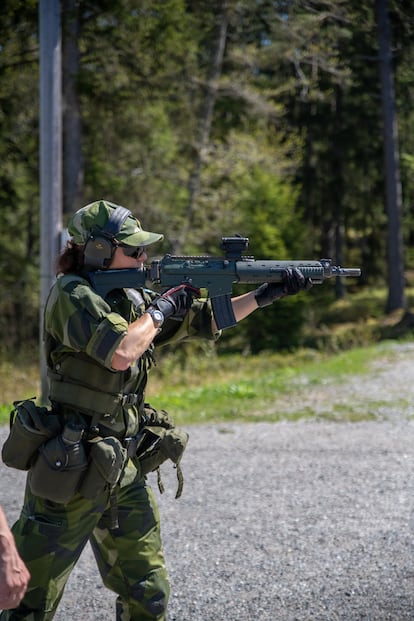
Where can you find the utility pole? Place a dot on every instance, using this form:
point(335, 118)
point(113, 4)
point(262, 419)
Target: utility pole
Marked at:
point(50, 157)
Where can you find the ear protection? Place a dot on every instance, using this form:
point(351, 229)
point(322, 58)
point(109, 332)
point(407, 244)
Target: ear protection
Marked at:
point(100, 245)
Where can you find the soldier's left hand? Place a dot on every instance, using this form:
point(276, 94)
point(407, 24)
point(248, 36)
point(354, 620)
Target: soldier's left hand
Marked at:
point(293, 282)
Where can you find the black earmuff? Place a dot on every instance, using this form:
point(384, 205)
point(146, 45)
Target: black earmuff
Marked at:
point(100, 246)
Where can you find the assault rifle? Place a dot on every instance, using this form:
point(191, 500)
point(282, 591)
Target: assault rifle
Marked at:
point(216, 274)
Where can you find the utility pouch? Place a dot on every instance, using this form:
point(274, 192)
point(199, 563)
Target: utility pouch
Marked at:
point(60, 466)
point(159, 444)
point(30, 427)
point(107, 458)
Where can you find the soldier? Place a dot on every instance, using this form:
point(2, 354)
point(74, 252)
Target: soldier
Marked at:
point(99, 353)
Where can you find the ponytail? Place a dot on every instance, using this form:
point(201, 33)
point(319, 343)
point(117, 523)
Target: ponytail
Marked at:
point(71, 259)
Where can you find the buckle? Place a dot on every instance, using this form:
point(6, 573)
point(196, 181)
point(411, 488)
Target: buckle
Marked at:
point(129, 399)
point(131, 444)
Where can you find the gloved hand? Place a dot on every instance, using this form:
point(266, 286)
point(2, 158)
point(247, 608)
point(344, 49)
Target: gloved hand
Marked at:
point(176, 301)
point(293, 282)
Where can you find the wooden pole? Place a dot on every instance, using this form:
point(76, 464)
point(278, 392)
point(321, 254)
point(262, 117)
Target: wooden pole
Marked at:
point(50, 157)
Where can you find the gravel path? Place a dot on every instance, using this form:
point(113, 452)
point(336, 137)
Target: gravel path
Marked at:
point(304, 521)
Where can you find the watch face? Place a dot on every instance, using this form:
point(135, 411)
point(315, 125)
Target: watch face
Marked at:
point(157, 317)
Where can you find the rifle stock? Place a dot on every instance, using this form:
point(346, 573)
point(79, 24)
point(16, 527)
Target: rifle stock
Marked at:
point(216, 274)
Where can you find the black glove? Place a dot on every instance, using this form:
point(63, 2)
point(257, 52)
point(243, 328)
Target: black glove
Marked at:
point(176, 301)
point(293, 282)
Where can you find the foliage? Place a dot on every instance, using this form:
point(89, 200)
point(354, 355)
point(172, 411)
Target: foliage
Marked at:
point(206, 381)
point(231, 387)
point(294, 155)
point(19, 215)
point(267, 211)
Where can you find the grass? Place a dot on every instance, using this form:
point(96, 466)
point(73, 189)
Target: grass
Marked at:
point(220, 388)
point(18, 380)
point(198, 385)
point(253, 388)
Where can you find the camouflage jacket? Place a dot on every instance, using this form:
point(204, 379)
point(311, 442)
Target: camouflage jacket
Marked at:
point(82, 332)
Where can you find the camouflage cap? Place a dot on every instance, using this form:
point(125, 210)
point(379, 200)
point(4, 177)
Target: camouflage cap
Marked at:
point(96, 215)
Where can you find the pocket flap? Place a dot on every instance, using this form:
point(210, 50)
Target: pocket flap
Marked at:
point(108, 456)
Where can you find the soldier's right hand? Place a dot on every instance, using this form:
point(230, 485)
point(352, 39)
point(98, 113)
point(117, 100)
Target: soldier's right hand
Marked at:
point(176, 302)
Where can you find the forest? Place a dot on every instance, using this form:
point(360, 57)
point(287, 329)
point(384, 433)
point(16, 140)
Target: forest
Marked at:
point(285, 121)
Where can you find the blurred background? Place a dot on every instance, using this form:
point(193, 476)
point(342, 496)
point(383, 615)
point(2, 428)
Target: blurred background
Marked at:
point(288, 122)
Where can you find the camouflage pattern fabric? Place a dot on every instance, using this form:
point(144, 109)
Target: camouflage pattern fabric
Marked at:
point(96, 214)
point(81, 326)
point(50, 538)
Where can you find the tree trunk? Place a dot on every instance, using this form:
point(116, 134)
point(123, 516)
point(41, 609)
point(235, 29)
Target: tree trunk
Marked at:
point(204, 129)
point(338, 194)
point(396, 295)
point(73, 162)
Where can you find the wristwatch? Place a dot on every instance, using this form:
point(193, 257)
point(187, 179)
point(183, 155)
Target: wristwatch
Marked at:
point(157, 316)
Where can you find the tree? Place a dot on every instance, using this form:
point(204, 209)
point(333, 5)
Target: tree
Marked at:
point(73, 160)
point(19, 170)
point(396, 296)
point(205, 122)
point(257, 117)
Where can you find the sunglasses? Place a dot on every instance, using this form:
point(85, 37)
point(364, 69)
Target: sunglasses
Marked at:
point(130, 251)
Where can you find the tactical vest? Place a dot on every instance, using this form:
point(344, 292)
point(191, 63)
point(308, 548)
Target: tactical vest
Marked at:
point(82, 384)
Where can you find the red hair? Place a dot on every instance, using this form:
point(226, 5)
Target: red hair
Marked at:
point(71, 259)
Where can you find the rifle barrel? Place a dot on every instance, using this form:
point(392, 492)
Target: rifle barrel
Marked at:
point(352, 272)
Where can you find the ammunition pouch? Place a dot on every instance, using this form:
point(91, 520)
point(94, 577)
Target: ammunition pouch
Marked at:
point(107, 458)
point(63, 463)
point(160, 444)
point(158, 441)
point(30, 427)
point(85, 467)
point(59, 468)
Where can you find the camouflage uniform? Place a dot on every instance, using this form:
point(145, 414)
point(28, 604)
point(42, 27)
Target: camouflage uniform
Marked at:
point(80, 326)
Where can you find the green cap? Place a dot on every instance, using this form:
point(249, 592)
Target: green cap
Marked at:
point(96, 215)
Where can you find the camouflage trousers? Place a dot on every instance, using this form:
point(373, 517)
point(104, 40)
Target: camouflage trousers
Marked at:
point(50, 538)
